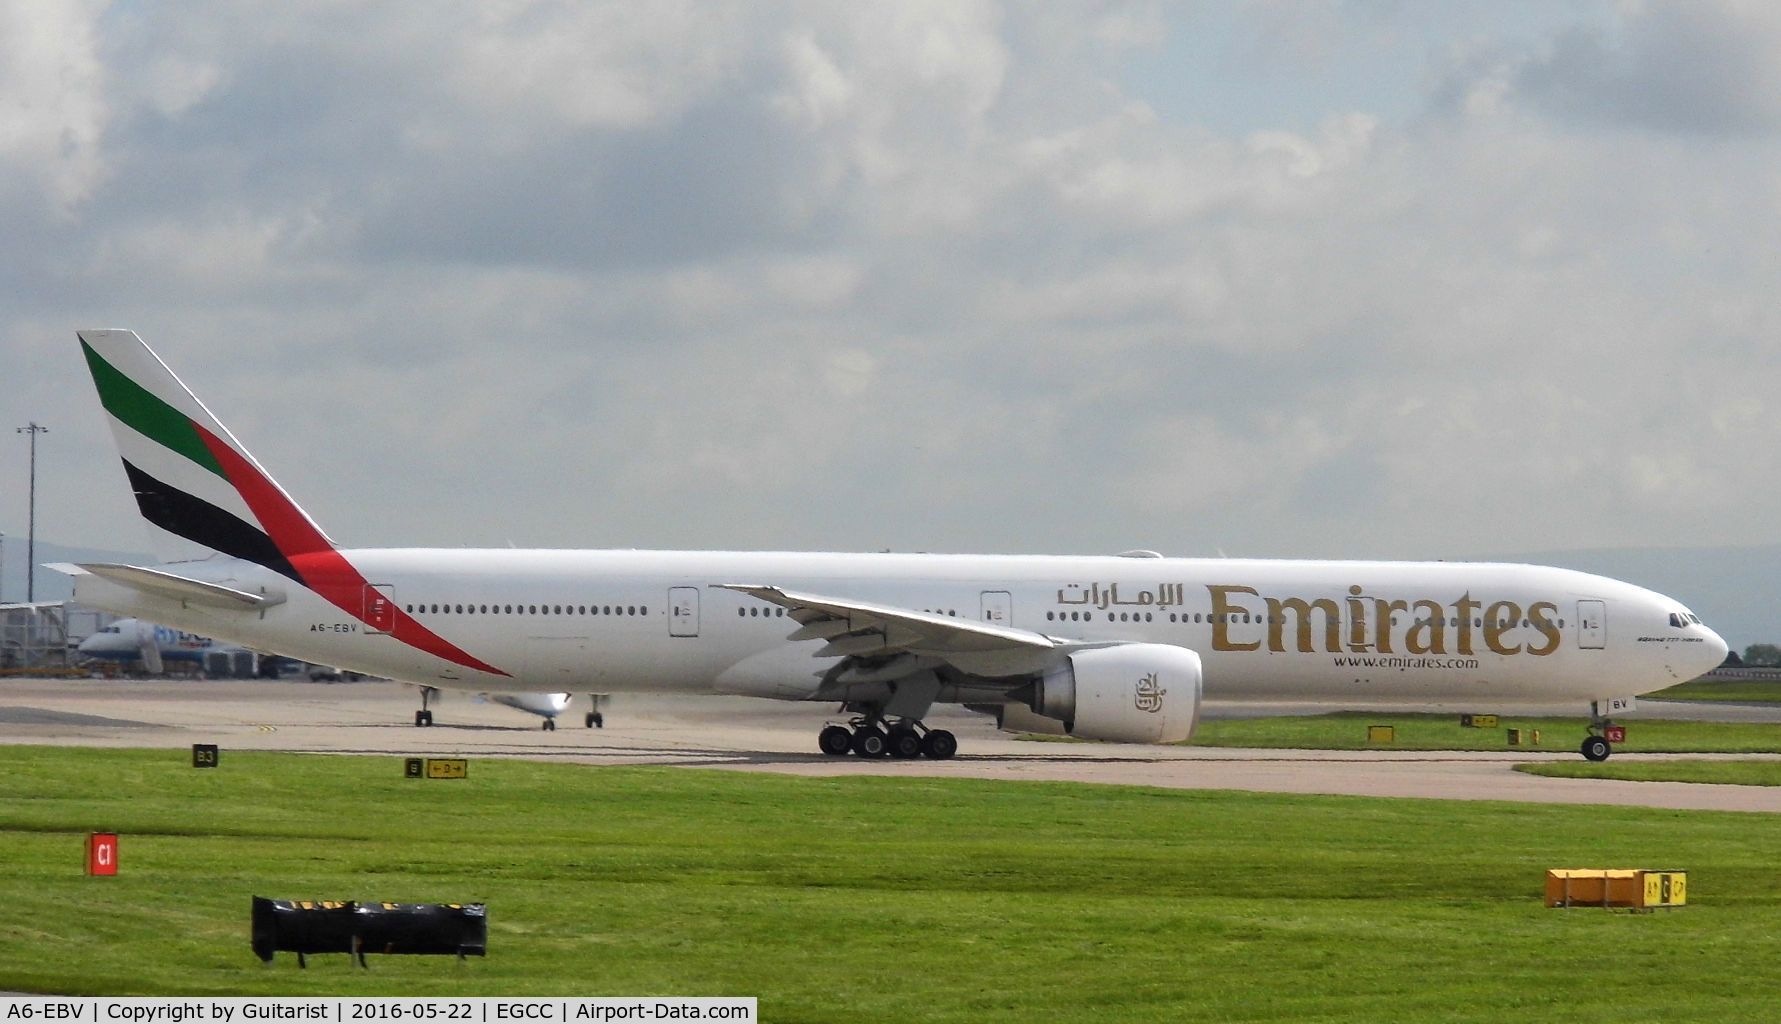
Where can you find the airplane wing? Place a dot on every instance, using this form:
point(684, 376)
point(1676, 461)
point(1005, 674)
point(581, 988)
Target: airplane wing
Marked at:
point(861, 629)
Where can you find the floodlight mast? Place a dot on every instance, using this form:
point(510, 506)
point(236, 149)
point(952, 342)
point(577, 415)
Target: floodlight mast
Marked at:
point(31, 521)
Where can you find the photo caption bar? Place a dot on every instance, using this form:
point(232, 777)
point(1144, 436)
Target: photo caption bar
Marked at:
point(369, 1010)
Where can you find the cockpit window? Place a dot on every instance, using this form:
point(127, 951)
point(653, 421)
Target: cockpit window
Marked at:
point(1675, 621)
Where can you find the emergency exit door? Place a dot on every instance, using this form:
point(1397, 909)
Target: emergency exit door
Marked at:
point(683, 611)
point(998, 608)
point(380, 608)
point(1592, 625)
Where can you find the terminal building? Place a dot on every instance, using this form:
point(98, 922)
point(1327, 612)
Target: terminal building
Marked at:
point(42, 636)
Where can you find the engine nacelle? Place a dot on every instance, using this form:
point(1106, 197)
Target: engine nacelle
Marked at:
point(1020, 718)
point(1132, 693)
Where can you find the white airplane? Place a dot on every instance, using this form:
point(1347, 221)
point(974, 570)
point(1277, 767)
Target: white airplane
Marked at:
point(138, 640)
point(545, 705)
point(1118, 648)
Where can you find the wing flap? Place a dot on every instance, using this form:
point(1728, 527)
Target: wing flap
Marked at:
point(863, 628)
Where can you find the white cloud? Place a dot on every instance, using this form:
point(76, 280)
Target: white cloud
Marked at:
point(52, 108)
point(912, 275)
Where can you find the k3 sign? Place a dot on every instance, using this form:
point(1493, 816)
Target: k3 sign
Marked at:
point(102, 853)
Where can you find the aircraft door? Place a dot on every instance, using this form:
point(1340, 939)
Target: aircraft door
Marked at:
point(683, 611)
point(1592, 625)
point(998, 608)
point(380, 608)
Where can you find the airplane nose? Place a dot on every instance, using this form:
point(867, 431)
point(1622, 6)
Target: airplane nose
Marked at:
point(1718, 648)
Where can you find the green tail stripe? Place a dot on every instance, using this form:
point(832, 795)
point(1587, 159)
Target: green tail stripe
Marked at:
point(142, 412)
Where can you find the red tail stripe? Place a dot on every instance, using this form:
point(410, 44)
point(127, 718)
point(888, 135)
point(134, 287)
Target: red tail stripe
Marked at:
point(324, 570)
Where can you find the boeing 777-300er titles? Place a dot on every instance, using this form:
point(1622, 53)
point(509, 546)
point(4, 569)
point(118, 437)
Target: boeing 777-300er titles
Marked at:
point(1119, 648)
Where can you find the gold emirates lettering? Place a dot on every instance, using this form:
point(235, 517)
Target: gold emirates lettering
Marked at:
point(1311, 626)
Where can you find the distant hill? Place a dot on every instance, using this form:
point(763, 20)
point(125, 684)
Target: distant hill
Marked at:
point(1736, 590)
point(51, 585)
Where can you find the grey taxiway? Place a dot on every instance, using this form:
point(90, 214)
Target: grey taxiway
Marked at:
point(741, 734)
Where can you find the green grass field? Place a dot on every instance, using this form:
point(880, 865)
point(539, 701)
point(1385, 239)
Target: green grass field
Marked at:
point(1737, 773)
point(1739, 691)
point(1348, 731)
point(882, 898)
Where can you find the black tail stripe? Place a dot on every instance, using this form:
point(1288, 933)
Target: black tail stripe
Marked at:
point(199, 521)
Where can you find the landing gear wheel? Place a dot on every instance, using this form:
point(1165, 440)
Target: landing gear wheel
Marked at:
point(1596, 748)
point(835, 741)
point(905, 743)
point(870, 741)
point(423, 718)
point(550, 725)
point(595, 720)
point(939, 745)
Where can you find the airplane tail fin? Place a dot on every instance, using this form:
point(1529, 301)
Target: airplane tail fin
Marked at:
point(197, 487)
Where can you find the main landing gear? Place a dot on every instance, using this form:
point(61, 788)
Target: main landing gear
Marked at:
point(596, 720)
point(871, 736)
point(423, 717)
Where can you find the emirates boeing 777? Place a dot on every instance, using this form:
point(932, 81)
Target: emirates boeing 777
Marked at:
point(1120, 648)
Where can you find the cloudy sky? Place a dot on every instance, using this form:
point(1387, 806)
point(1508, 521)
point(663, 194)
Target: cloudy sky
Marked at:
point(1341, 278)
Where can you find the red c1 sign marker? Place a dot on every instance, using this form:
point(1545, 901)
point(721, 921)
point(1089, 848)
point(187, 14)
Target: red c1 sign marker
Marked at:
point(102, 853)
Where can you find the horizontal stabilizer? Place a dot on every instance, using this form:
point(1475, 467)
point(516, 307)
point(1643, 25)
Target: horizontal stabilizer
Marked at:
point(178, 588)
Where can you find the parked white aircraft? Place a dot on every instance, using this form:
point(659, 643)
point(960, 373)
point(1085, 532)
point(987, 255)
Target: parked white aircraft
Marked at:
point(545, 705)
point(129, 641)
point(1117, 648)
point(138, 640)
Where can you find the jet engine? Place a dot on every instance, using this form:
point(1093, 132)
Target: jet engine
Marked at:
point(1131, 693)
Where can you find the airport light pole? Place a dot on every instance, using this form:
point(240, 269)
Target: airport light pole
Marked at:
point(31, 520)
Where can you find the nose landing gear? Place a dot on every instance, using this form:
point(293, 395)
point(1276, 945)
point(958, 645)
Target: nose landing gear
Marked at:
point(1603, 734)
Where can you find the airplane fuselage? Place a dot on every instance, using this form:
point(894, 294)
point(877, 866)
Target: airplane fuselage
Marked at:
point(1266, 630)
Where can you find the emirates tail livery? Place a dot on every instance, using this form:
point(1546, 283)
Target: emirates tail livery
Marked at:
point(1118, 648)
